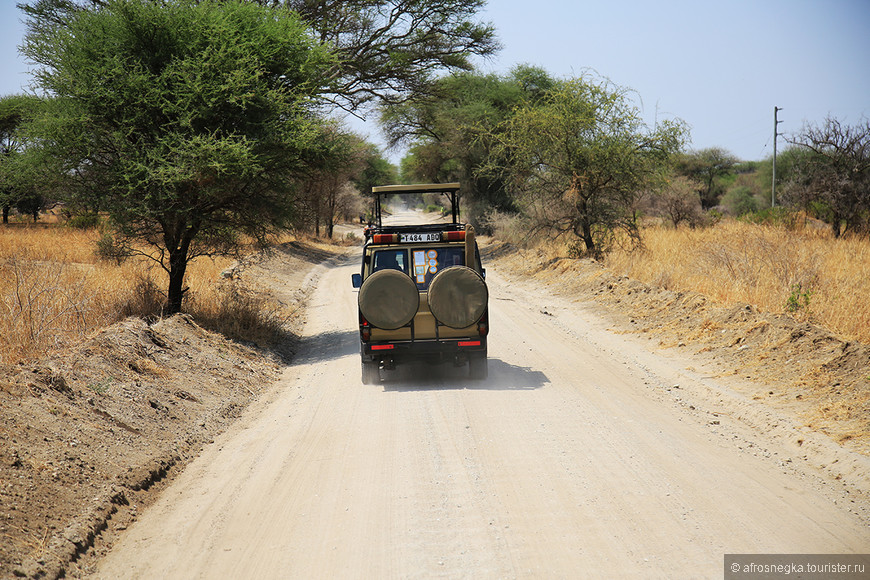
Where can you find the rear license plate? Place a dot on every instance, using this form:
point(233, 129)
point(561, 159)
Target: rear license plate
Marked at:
point(420, 237)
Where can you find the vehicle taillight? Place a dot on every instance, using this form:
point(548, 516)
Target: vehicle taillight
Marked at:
point(483, 325)
point(365, 329)
point(383, 346)
point(385, 238)
point(452, 236)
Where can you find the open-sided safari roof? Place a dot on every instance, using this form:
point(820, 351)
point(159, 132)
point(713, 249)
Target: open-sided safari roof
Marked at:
point(416, 188)
point(450, 189)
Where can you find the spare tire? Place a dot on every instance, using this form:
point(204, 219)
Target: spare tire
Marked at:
point(457, 296)
point(389, 299)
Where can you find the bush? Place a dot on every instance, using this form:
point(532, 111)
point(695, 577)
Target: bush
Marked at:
point(241, 314)
point(145, 299)
point(679, 202)
point(108, 249)
point(511, 228)
point(740, 201)
point(85, 221)
point(773, 216)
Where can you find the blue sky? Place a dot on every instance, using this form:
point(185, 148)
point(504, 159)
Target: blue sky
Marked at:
point(719, 66)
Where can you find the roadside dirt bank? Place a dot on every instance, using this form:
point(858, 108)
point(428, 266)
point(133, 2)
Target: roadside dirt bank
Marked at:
point(90, 436)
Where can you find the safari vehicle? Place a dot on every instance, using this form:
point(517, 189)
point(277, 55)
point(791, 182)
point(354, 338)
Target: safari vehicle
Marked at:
point(422, 294)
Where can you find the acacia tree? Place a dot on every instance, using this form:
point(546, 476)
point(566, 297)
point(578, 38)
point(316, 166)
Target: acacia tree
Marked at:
point(678, 201)
point(186, 122)
point(834, 173)
point(579, 159)
point(386, 49)
point(390, 49)
point(706, 167)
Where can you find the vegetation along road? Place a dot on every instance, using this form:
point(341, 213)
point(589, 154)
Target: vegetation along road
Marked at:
point(576, 457)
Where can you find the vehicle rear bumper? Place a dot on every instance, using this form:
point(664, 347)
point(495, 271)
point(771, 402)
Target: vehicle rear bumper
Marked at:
point(423, 349)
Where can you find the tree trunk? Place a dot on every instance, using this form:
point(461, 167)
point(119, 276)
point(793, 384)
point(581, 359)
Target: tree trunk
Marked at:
point(583, 224)
point(177, 268)
point(178, 246)
point(6, 209)
point(587, 236)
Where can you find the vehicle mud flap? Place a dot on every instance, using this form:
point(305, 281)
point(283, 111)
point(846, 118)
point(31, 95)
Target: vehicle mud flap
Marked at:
point(458, 296)
point(371, 373)
point(389, 299)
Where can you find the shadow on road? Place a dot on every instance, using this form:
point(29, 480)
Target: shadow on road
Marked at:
point(333, 345)
point(423, 377)
point(327, 346)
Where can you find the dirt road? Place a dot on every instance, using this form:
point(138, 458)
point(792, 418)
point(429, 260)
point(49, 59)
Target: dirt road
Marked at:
point(582, 455)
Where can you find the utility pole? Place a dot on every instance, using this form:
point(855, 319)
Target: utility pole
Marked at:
point(776, 122)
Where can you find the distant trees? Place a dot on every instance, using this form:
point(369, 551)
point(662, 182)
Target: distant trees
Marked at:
point(444, 125)
point(572, 156)
point(706, 167)
point(18, 188)
point(340, 179)
point(830, 176)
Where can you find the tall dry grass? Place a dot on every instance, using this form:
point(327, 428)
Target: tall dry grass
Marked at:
point(54, 290)
point(805, 272)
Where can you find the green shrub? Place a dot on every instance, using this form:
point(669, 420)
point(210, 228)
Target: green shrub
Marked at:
point(740, 201)
point(84, 221)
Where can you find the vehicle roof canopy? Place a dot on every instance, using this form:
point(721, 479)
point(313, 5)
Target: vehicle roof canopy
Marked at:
point(416, 188)
point(450, 189)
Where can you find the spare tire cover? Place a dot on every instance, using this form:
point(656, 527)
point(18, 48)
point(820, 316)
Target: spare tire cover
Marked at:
point(389, 299)
point(457, 296)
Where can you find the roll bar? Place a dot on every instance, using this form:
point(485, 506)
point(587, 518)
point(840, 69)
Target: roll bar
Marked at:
point(449, 189)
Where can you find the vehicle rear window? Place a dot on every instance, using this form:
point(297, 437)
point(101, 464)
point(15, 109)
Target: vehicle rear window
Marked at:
point(390, 260)
point(426, 262)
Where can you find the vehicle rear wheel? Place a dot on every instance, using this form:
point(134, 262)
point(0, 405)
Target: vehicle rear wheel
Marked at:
point(371, 373)
point(477, 367)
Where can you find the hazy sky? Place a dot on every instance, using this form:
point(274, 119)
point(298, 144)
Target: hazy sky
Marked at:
point(719, 66)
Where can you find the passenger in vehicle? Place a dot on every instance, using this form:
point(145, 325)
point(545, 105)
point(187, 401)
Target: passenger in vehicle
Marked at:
point(390, 260)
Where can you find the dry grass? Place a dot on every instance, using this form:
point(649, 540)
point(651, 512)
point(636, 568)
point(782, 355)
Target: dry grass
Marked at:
point(54, 290)
point(807, 273)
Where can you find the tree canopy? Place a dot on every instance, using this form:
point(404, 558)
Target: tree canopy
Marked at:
point(187, 122)
point(390, 49)
point(385, 50)
point(578, 159)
